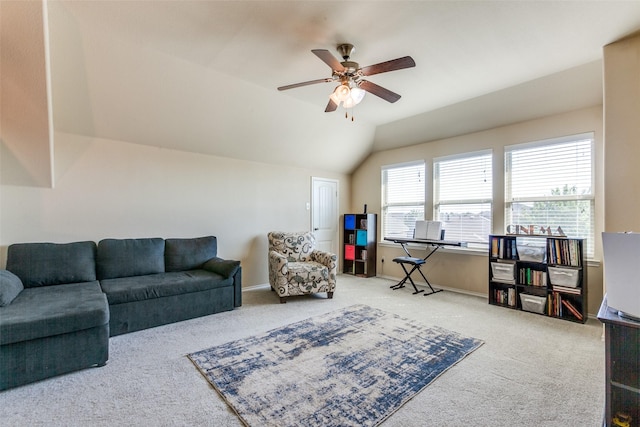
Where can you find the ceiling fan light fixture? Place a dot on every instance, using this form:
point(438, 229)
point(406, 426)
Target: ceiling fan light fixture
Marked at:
point(334, 98)
point(342, 92)
point(352, 87)
point(357, 94)
point(349, 103)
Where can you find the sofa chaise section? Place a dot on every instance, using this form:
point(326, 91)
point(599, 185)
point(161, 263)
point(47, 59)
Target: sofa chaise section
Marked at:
point(59, 322)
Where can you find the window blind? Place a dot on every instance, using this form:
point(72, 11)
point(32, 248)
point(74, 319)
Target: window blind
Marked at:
point(550, 184)
point(463, 195)
point(403, 197)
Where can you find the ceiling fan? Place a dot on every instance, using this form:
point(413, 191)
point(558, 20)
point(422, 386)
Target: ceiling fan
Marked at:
point(350, 75)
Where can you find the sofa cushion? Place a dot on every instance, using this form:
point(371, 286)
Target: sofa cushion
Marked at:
point(128, 289)
point(129, 257)
point(42, 264)
point(10, 287)
point(189, 254)
point(53, 310)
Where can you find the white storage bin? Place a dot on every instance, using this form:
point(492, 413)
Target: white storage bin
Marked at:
point(531, 249)
point(564, 276)
point(533, 303)
point(503, 272)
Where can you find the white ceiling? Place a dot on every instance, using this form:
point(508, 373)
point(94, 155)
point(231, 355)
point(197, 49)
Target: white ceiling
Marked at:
point(202, 75)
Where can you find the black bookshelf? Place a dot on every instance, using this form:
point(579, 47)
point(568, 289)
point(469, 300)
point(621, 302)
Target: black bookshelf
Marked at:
point(359, 246)
point(546, 275)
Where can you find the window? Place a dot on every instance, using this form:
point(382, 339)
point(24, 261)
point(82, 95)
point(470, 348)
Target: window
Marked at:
point(463, 192)
point(403, 191)
point(550, 184)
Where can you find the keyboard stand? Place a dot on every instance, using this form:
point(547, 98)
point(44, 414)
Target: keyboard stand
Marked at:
point(415, 264)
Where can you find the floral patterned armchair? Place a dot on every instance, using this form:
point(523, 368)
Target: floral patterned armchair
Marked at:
point(296, 268)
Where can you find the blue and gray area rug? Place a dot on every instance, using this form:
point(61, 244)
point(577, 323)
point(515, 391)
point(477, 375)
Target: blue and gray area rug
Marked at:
point(350, 367)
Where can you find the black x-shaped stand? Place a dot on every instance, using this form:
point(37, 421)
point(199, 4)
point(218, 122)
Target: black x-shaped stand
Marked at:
point(415, 264)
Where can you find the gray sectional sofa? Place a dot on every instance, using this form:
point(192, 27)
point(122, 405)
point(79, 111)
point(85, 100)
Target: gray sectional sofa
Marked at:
point(60, 303)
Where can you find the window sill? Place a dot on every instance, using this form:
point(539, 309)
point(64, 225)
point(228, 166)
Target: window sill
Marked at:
point(595, 263)
point(449, 249)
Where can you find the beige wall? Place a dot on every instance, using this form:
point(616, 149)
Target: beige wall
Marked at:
point(25, 122)
point(622, 134)
point(117, 189)
point(462, 270)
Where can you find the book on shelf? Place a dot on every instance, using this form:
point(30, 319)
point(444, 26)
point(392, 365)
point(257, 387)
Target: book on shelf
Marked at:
point(567, 289)
point(505, 297)
point(572, 309)
point(504, 248)
point(564, 252)
point(532, 277)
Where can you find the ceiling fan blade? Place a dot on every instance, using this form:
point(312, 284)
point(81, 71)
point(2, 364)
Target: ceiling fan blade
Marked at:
point(384, 67)
point(328, 58)
point(331, 106)
point(383, 93)
point(310, 82)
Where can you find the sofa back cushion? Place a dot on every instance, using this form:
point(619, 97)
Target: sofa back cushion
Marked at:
point(189, 254)
point(44, 264)
point(129, 257)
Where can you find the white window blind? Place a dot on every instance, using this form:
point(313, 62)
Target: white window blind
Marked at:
point(550, 184)
point(403, 194)
point(463, 196)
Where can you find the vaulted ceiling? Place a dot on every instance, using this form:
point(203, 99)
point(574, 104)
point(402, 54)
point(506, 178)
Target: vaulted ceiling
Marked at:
point(201, 76)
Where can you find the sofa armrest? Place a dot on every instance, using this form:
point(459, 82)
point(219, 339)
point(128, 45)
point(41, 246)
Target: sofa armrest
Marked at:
point(228, 268)
point(224, 267)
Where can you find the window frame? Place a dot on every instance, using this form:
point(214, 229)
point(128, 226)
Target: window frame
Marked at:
point(510, 200)
point(437, 202)
point(384, 205)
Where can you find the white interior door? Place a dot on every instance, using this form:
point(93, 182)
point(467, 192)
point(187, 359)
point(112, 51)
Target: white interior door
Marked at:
point(324, 213)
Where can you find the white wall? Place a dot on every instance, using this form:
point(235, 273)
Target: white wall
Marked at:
point(458, 269)
point(117, 189)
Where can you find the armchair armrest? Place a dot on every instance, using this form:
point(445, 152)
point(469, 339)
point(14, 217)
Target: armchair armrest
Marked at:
point(278, 271)
point(330, 261)
point(325, 258)
point(224, 267)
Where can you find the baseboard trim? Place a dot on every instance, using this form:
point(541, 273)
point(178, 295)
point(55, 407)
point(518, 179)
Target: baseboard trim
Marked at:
point(258, 287)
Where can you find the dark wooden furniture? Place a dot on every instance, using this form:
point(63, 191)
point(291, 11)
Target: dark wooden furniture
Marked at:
point(359, 246)
point(622, 371)
point(540, 274)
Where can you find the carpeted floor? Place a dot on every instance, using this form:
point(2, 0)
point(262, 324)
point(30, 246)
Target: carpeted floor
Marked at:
point(531, 371)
